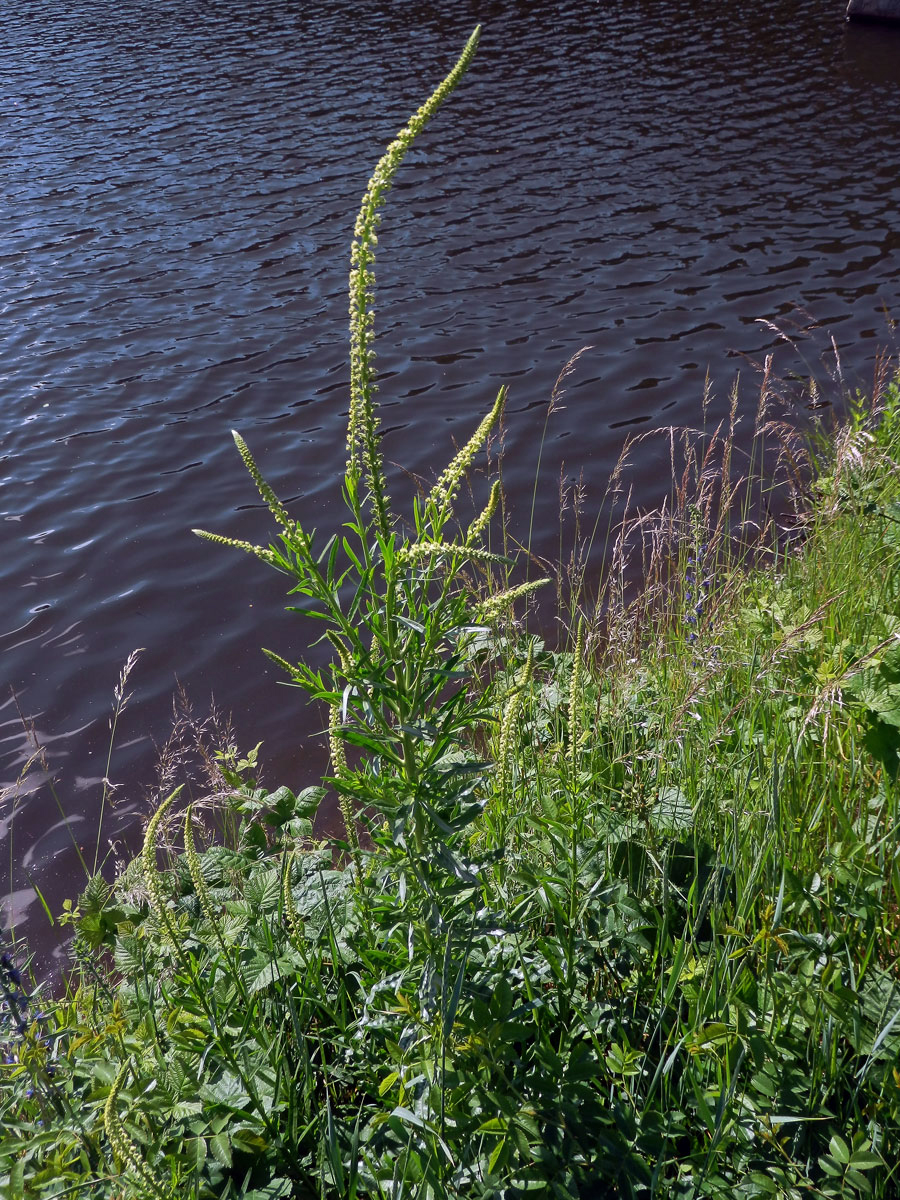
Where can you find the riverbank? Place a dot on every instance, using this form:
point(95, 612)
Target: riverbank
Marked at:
point(616, 919)
point(651, 949)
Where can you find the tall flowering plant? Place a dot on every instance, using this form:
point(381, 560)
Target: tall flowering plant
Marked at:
point(402, 693)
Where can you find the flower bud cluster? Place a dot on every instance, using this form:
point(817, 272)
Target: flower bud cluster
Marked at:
point(696, 589)
point(18, 1011)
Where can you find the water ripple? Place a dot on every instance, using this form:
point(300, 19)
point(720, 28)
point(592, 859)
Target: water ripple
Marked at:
point(646, 179)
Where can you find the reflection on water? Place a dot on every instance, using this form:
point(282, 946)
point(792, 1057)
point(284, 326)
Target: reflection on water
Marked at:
point(650, 180)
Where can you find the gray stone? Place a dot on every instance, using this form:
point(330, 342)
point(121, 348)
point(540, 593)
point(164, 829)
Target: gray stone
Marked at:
point(873, 10)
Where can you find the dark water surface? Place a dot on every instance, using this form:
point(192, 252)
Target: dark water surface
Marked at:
point(179, 182)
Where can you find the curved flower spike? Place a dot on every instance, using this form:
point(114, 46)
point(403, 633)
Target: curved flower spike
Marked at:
point(276, 508)
point(267, 556)
point(408, 555)
point(494, 605)
point(443, 493)
point(364, 456)
point(478, 526)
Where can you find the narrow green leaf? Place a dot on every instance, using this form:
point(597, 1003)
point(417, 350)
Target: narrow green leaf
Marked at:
point(495, 1155)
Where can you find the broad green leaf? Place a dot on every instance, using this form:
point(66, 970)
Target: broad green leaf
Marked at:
point(196, 1151)
point(277, 969)
point(839, 1149)
point(878, 687)
point(864, 1160)
point(263, 890)
point(672, 812)
point(228, 1091)
point(494, 1125)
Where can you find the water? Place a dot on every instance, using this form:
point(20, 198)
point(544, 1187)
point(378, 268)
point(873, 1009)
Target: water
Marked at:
point(179, 187)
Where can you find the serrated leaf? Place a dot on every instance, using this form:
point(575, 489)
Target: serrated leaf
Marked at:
point(275, 1189)
point(263, 890)
point(196, 1151)
point(186, 1108)
point(307, 803)
point(272, 971)
point(129, 956)
point(246, 1139)
point(220, 1148)
point(494, 1125)
point(227, 1091)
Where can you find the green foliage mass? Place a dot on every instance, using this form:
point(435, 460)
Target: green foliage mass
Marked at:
point(601, 926)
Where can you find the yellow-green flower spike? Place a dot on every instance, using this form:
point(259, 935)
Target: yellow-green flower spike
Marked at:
point(148, 862)
point(338, 753)
point(335, 743)
point(124, 1149)
point(491, 609)
point(444, 491)
point(421, 551)
point(267, 556)
point(363, 453)
point(287, 667)
point(292, 917)
point(480, 524)
point(196, 871)
point(276, 508)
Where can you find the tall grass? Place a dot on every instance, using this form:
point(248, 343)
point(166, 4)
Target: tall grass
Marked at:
point(620, 919)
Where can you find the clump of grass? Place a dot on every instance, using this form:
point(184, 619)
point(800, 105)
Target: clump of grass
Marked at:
point(624, 919)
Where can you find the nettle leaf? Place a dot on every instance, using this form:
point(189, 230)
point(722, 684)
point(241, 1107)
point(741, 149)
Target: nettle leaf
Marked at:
point(220, 1148)
point(314, 894)
point(253, 840)
point(878, 687)
point(183, 1109)
point(672, 812)
point(275, 1189)
point(218, 863)
point(247, 1139)
point(263, 890)
point(878, 1034)
point(228, 1090)
point(196, 1151)
point(307, 803)
point(276, 969)
point(129, 956)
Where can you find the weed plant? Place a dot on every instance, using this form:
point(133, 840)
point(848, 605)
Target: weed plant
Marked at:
point(616, 920)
